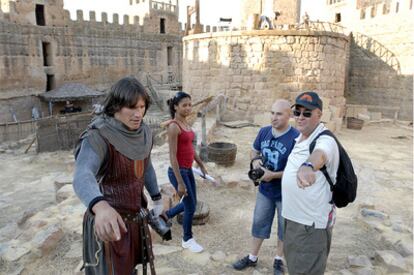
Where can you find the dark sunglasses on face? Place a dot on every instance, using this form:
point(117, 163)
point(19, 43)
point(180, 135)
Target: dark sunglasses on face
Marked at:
point(305, 113)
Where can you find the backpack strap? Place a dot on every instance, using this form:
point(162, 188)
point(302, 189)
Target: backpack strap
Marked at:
point(323, 169)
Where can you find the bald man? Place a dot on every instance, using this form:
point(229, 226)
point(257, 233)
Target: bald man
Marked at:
point(273, 145)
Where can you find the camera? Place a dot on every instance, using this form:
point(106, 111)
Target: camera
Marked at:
point(255, 174)
point(162, 227)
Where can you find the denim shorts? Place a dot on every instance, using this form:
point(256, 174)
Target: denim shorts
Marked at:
point(264, 213)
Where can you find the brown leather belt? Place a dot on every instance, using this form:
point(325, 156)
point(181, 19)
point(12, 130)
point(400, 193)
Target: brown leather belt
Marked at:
point(141, 218)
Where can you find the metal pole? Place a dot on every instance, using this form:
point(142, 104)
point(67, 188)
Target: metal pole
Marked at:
point(203, 145)
point(50, 108)
point(203, 130)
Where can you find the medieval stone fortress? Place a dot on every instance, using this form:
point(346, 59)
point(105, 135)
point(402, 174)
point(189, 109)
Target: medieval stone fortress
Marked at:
point(358, 51)
point(357, 54)
point(42, 48)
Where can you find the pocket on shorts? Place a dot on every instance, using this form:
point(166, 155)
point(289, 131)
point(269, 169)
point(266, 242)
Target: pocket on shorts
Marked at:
point(311, 240)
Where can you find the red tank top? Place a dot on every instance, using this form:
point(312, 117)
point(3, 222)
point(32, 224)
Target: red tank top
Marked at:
point(185, 149)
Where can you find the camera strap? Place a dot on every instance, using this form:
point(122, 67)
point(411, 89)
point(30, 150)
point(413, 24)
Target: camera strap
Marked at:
point(255, 158)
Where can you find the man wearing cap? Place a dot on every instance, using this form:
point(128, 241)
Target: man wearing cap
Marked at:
point(309, 216)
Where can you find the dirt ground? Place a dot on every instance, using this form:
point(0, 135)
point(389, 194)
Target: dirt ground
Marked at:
point(382, 154)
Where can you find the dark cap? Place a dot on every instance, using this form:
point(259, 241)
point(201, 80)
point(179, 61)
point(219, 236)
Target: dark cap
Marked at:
point(309, 100)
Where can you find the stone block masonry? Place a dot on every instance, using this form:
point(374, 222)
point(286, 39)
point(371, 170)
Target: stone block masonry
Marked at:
point(382, 64)
point(254, 68)
point(35, 58)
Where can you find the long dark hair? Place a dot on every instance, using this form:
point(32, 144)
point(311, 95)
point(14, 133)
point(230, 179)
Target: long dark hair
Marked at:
point(125, 93)
point(174, 101)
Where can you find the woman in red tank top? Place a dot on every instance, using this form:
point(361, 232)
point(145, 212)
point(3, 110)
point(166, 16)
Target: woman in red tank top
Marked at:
point(182, 154)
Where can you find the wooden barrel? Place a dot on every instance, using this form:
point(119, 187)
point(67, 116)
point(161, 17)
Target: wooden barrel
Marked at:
point(354, 123)
point(201, 215)
point(222, 153)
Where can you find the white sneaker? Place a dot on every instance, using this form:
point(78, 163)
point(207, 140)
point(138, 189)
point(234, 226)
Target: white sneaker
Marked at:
point(192, 245)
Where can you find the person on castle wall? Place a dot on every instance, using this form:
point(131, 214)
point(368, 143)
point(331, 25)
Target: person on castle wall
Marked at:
point(113, 164)
point(181, 140)
point(305, 19)
point(270, 152)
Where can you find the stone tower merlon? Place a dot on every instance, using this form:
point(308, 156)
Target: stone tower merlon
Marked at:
point(35, 12)
point(156, 16)
point(280, 11)
point(288, 10)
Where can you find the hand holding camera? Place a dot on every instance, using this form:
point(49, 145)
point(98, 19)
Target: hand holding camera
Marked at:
point(256, 172)
point(257, 163)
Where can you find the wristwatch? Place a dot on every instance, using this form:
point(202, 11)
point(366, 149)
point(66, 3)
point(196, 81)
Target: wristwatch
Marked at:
point(308, 164)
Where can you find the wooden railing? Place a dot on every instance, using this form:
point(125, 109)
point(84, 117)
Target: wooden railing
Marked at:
point(322, 26)
point(13, 131)
point(379, 50)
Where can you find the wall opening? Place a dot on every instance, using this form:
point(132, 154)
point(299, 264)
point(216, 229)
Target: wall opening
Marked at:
point(385, 9)
point(47, 53)
point(373, 11)
point(169, 56)
point(50, 82)
point(397, 7)
point(162, 25)
point(40, 15)
point(337, 17)
point(362, 15)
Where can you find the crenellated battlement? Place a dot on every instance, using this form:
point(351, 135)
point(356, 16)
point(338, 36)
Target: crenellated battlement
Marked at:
point(382, 8)
point(54, 15)
point(104, 18)
point(156, 5)
point(136, 23)
point(150, 6)
point(143, 13)
point(44, 46)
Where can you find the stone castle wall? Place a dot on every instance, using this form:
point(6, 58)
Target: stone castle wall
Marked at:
point(254, 68)
point(382, 58)
point(288, 11)
point(382, 61)
point(90, 52)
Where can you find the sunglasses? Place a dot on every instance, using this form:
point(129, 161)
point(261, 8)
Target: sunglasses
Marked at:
point(305, 113)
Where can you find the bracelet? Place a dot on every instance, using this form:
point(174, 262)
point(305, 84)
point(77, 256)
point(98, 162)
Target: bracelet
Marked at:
point(308, 164)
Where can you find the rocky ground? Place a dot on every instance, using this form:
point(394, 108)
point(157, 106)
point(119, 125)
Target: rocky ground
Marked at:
point(40, 221)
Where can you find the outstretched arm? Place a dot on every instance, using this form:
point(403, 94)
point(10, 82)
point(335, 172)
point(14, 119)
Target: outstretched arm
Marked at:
point(326, 150)
point(306, 173)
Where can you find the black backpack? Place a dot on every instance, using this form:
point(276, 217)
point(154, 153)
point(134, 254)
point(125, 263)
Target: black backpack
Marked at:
point(345, 189)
